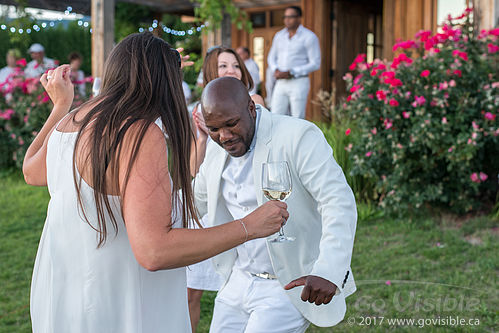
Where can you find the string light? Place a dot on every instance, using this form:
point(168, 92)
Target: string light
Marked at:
point(155, 24)
point(85, 24)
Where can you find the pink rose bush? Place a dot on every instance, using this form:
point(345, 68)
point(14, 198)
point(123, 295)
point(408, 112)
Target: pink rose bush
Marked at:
point(426, 125)
point(24, 107)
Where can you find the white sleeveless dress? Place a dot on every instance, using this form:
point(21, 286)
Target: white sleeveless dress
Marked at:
point(78, 288)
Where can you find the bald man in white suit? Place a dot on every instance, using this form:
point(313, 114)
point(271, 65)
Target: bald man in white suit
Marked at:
point(275, 287)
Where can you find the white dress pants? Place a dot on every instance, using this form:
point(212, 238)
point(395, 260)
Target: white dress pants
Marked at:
point(254, 305)
point(290, 96)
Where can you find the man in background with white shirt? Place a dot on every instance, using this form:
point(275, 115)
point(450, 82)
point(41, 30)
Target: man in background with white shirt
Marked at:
point(251, 66)
point(294, 54)
point(40, 64)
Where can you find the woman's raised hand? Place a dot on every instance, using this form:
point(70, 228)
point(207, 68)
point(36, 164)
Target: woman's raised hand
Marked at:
point(184, 59)
point(58, 85)
point(266, 219)
point(197, 116)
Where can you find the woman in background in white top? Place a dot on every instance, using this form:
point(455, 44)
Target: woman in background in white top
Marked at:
point(114, 243)
point(12, 56)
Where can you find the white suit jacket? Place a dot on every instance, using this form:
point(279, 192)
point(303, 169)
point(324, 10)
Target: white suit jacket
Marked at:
point(322, 211)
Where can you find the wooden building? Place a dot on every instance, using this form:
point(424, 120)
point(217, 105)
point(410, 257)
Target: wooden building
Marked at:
point(345, 28)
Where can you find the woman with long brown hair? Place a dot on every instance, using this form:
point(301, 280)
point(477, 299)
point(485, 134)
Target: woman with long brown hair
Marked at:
point(114, 245)
point(219, 62)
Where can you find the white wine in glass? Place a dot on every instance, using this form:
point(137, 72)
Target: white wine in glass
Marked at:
point(276, 185)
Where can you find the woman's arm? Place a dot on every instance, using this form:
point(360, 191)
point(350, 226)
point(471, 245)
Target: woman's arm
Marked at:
point(147, 214)
point(61, 92)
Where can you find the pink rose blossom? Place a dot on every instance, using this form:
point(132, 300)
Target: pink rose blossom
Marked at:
point(405, 45)
point(21, 62)
point(443, 85)
point(457, 72)
point(354, 88)
point(7, 114)
point(374, 131)
point(450, 150)
point(475, 126)
point(347, 132)
point(490, 116)
point(425, 73)
point(359, 59)
point(419, 100)
point(474, 135)
point(461, 54)
point(444, 120)
point(406, 114)
point(380, 95)
point(394, 102)
point(492, 48)
point(483, 176)
point(369, 153)
point(452, 83)
point(388, 283)
point(474, 178)
point(388, 123)
point(347, 77)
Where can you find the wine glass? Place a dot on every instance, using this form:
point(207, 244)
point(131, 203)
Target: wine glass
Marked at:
point(276, 185)
point(96, 86)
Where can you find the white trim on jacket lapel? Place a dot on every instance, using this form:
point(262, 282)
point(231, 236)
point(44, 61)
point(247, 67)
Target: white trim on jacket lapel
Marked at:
point(218, 166)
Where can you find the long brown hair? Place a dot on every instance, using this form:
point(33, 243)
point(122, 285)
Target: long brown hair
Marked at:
point(210, 66)
point(141, 83)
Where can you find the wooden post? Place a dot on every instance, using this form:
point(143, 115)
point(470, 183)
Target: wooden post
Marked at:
point(102, 12)
point(487, 13)
point(316, 15)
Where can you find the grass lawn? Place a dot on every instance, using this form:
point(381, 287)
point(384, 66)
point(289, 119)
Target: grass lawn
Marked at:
point(422, 268)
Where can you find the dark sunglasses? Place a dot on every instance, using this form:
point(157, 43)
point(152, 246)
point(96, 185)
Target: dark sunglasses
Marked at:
point(179, 58)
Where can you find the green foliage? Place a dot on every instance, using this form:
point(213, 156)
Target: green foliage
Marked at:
point(341, 134)
point(24, 108)
point(212, 12)
point(427, 126)
point(128, 17)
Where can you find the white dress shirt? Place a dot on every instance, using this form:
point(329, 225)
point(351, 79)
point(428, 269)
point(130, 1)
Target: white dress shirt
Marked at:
point(33, 69)
point(239, 194)
point(254, 71)
point(5, 73)
point(300, 54)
